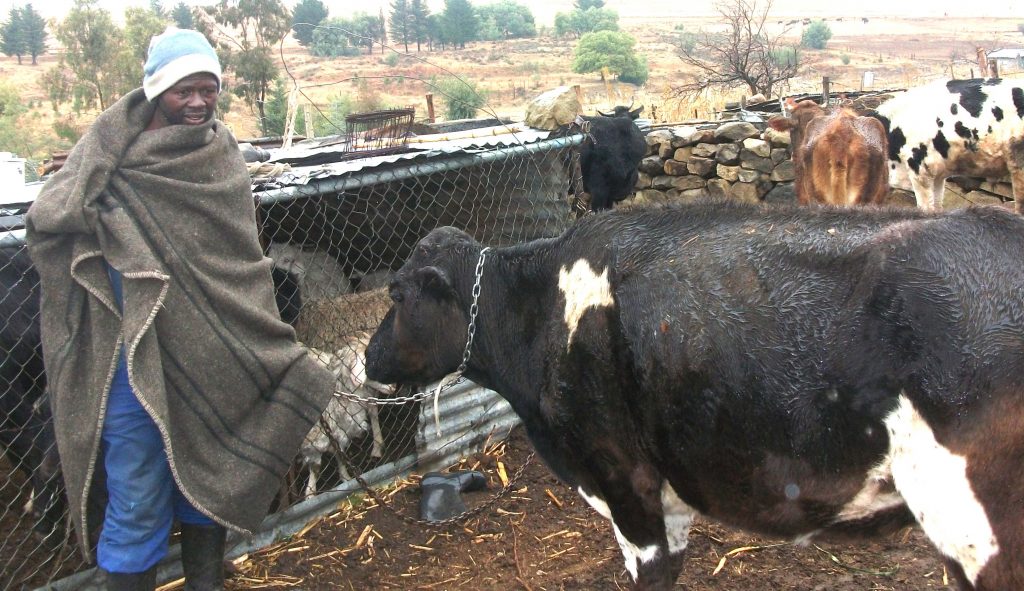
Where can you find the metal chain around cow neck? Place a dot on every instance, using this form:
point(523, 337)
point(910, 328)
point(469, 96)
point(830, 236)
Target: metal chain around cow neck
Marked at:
point(448, 380)
point(452, 378)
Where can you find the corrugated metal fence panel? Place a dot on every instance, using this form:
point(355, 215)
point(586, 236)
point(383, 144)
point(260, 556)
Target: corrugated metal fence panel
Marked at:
point(275, 527)
point(468, 416)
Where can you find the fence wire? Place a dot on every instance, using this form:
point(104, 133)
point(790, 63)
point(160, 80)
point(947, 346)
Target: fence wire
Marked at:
point(335, 245)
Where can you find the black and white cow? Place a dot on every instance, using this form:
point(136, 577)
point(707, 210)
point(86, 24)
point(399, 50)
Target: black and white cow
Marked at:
point(794, 372)
point(961, 127)
point(26, 425)
point(610, 156)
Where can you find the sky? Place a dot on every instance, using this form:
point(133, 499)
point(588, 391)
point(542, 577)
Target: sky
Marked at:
point(544, 10)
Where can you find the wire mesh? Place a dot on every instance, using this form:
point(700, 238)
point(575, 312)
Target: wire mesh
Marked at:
point(334, 251)
point(34, 544)
point(364, 233)
point(379, 132)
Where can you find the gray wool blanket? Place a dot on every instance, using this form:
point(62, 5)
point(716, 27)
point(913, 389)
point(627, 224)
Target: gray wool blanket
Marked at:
point(210, 360)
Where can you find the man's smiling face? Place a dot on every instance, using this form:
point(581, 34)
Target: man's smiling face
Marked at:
point(191, 101)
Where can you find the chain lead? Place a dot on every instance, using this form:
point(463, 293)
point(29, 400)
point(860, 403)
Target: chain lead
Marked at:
point(451, 379)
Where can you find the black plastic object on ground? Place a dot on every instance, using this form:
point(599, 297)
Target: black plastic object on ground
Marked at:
point(441, 498)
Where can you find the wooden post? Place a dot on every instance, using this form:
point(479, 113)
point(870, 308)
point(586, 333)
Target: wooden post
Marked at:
point(289, 119)
point(824, 91)
point(579, 94)
point(307, 117)
point(430, 107)
point(605, 75)
point(982, 60)
point(993, 69)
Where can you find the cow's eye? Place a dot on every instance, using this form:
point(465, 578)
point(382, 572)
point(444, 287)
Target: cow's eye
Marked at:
point(396, 296)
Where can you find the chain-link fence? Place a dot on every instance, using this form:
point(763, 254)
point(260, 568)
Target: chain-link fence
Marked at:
point(337, 228)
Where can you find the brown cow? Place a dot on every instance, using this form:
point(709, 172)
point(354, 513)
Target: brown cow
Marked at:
point(839, 156)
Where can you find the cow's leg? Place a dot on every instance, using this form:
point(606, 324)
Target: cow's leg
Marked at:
point(925, 191)
point(378, 436)
point(651, 524)
point(936, 484)
point(311, 478)
point(1016, 165)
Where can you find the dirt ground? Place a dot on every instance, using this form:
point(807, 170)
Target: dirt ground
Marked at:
point(542, 536)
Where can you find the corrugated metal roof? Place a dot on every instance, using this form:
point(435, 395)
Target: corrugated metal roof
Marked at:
point(1006, 54)
point(424, 148)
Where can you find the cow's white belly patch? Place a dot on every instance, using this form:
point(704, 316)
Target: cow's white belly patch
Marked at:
point(582, 288)
point(934, 483)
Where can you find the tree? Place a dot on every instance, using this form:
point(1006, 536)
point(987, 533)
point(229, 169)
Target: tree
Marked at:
point(459, 22)
point(587, 4)
point(181, 14)
point(505, 19)
point(157, 8)
point(401, 22)
point(580, 22)
point(34, 31)
point(13, 35)
point(744, 55)
point(333, 38)
point(419, 22)
point(437, 32)
point(612, 50)
point(816, 35)
point(99, 65)
point(462, 98)
point(140, 25)
point(17, 135)
point(259, 25)
point(305, 18)
point(380, 28)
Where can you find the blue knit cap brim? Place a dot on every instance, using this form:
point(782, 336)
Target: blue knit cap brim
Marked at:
point(176, 54)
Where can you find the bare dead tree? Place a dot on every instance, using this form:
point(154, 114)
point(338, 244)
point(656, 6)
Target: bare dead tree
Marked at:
point(744, 54)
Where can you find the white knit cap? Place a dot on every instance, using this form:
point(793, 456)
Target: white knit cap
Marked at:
point(176, 54)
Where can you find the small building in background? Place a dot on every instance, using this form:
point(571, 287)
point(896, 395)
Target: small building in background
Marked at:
point(1008, 59)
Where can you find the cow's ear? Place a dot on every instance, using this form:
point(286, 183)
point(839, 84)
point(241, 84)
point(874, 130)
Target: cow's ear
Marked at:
point(435, 281)
point(781, 123)
point(636, 112)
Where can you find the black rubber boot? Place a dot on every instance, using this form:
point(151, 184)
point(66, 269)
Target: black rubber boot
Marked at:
point(202, 556)
point(441, 498)
point(144, 581)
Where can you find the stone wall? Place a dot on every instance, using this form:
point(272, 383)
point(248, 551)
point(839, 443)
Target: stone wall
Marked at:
point(736, 159)
point(732, 159)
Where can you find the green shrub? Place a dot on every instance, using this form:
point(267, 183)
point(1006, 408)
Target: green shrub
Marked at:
point(391, 59)
point(462, 98)
point(784, 56)
point(845, 59)
point(816, 35)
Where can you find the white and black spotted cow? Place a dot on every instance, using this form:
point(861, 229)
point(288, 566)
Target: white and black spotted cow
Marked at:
point(961, 127)
point(795, 372)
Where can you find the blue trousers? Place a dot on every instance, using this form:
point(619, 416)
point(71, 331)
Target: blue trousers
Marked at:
point(143, 497)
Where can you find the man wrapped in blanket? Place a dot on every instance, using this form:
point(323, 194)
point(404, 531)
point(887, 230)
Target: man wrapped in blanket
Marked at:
point(168, 365)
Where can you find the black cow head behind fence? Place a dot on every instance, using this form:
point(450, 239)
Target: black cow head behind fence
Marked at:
point(611, 155)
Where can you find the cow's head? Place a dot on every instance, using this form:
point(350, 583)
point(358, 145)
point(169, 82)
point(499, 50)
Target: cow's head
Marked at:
point(423, 335)
point(621, 111)
point(796, 115)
